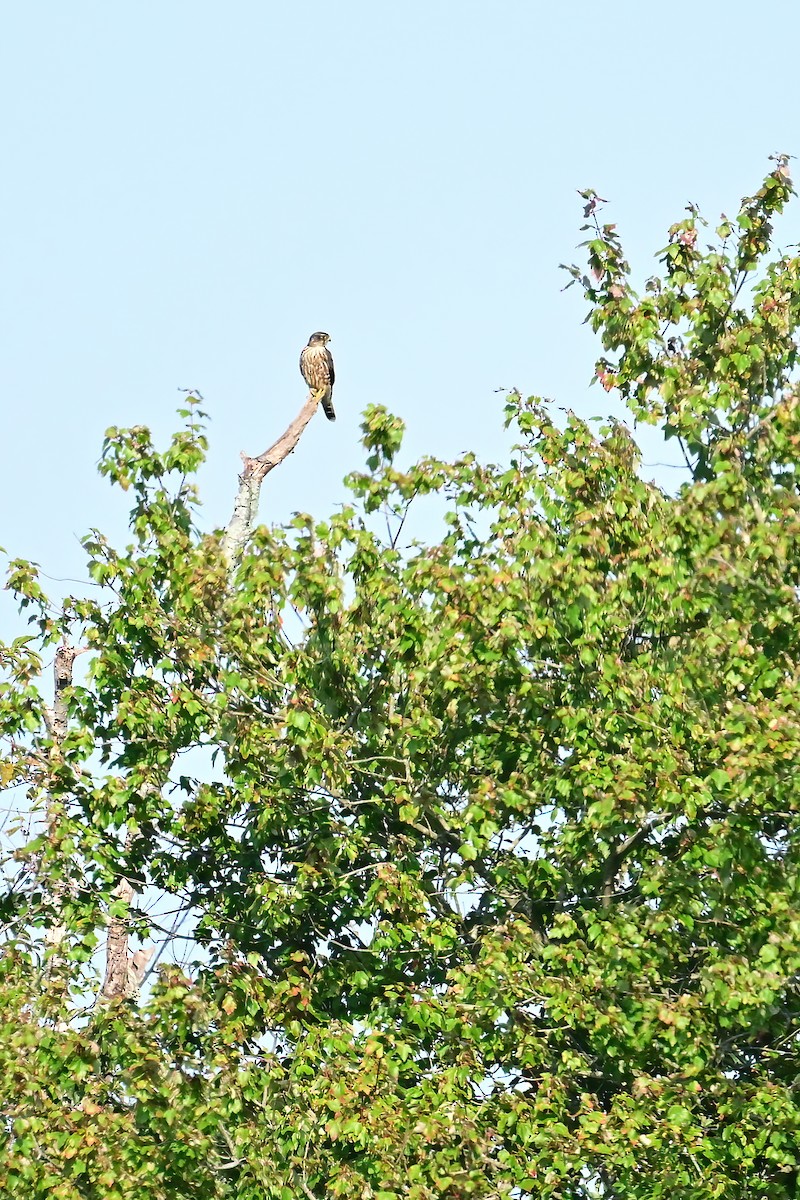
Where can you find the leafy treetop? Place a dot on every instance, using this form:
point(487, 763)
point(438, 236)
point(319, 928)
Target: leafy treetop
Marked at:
point(488, 847)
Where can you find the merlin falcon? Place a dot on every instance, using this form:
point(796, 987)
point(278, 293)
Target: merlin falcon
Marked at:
point(316, 367)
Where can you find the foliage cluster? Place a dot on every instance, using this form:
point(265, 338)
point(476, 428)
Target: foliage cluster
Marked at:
point(489, 845)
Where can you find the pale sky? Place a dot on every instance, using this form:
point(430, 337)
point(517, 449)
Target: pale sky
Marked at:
point(191, 188)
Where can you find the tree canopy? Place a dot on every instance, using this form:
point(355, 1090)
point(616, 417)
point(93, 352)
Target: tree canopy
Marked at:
point(486, 847)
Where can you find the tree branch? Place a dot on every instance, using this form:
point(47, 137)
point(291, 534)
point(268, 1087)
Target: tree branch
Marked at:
point(255, 469)
point(615, 859)
point(117, 948)
point(62, 675)
point(124, 971)
point(57, 723)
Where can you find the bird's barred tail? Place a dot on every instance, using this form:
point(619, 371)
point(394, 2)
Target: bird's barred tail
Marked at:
point(327, 405)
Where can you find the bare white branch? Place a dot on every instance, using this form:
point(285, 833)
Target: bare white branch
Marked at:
point(255, 469)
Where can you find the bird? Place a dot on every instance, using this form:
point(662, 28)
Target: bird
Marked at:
point(316, 367)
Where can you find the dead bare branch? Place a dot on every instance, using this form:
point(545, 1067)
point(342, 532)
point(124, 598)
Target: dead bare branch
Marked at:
point(255, 470)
